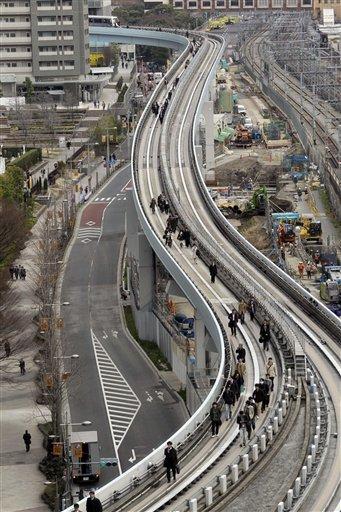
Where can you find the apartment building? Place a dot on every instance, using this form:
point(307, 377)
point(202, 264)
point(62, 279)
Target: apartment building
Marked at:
point(45, 40)
point(100, 7)
point(235, 5)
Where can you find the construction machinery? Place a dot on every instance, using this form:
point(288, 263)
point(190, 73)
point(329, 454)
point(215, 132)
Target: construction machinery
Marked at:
point(330, 287)
point(257, 204)
point(243, 137)
point(311, 229)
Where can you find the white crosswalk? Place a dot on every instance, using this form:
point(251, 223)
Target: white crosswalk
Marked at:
point(86, 234)
point(121, 402)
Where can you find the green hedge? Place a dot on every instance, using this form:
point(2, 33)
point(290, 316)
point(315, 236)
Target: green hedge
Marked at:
point(28, 159)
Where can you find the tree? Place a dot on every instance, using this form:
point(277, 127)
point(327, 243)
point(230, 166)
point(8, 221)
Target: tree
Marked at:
point(29, 89)
point(12, 184)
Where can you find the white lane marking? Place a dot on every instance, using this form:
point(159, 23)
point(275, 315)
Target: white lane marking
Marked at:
point(133, 456)
point(116, 391)
point(105, 336)
point(159, 394)
point(89, 233)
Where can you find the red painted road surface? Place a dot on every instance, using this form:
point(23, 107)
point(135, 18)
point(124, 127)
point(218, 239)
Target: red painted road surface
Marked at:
point(92, 215)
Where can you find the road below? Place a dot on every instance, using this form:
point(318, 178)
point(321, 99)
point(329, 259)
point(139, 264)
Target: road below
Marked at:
point(111, 384)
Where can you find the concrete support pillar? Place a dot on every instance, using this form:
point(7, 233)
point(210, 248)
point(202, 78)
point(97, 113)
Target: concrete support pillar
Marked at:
point(262, 443)
point(318, 421)
point(234, 473)
point(275, 425)
point(208, 496)
point(304, 476)
point(280, 507)
point(280, 416)
point(270, 434)
point(284, 407)
point(313, 452)
point(297, 487)
point(245, 463)
point(289, 376)
point(199, 329)
point(254, 452)
point(309, 464)
point(286, 397)
point(290, 495)
point(222, 484)
point(209, 134)
point(316, 441)
point(193, 505)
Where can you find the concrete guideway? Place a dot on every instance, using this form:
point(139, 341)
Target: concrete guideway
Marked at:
point(250, 269)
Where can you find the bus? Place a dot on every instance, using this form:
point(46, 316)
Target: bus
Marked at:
point(104, 21)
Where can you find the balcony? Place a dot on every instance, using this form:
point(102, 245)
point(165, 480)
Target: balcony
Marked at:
point(47, 54)
point(15, 10)
point(14, 40)
point(15, 55)
point(48, 68)
point(47, 38)
point(12, 25)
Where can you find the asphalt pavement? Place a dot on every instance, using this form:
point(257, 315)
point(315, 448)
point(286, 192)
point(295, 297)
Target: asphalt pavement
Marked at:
point(112, 384)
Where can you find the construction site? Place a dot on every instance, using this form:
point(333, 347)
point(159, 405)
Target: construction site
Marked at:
point(274, 182)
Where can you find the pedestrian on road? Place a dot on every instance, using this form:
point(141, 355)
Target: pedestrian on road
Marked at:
point(103, 105)
point(11, 272)
point(187, 238)
point(22, 367)
point(166, 207)
point(229, 399)
point(270, 369)
point(251, 411)
point(265, 387)
point(242, 420)
point(233, 320)
point(265, 334)
point(241, 368)
point(213, 271)
point(76, 507)
point(27, 440)
point(252, 309)
point(308, 270)
point(258, 398)
point(241, 353)
point(242, 310)
point(7, 348)
point(171, 461)
point(215, 415)
point(16, 271)
point(22, 273)
point(153, 204)
point(194, 253)
point(93, 504)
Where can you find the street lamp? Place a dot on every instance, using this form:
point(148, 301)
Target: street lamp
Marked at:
point(68, 424)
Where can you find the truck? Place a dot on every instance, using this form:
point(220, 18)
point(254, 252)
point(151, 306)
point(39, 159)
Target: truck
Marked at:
point(311, 229)
point(85, 456)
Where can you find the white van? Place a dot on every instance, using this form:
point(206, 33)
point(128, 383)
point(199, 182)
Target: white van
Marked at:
point(241, 110)
point(248, 123)
point(157, 77)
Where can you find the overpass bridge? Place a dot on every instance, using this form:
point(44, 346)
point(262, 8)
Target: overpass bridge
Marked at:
point(166, 159)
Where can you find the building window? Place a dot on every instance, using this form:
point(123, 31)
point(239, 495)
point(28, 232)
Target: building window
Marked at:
point(179, 5)
point(206, 3)
point(192, 4)
point(277, 4)
point(263, 4)
point(248, 3)
point(306, 3)
point(220, 3)
point(234, 4)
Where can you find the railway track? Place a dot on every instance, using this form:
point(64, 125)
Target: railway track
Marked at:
point(240, 269)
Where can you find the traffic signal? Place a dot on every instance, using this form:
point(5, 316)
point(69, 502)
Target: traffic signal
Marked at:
point(57, 449)
point(108, 462)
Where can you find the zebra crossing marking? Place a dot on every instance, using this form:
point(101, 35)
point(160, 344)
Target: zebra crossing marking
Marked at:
point(121, 402)
point(88, 233)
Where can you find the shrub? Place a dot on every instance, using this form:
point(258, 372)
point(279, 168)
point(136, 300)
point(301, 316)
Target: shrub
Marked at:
point(119, 84)
point(120, 98)
point(28, 159)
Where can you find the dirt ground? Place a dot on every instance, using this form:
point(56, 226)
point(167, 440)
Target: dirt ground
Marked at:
point(241, 171)
point(254, 231)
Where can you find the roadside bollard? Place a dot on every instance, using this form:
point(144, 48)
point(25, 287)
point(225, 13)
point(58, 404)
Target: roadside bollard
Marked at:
point(284, 407)
point(318, 431)
point(309, 464)
point(262, 443)
point(245, 462)
point(289, 376)
point(254, 452)
point(234, 473)
point(312, 382)
point(222, 484)
point(290, 495)
point(193, 505)
point(280, 416)
point(286, 397)
point(269, 429)
point(316, 441)
point(313, 452)
point(208, 496)
point(275, 425)
point(297, 487)
point(280, 507)
point(304, 476)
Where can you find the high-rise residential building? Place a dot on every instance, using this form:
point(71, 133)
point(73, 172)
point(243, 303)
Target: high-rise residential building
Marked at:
point(45, 40)
point(100, 7)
